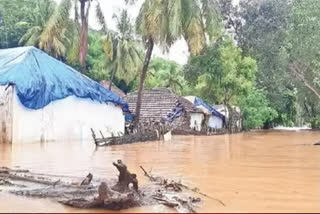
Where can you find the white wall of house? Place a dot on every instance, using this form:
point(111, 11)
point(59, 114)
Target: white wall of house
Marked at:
point(224, 111)
point(196, 120)
point(215, 122)
point(6, 94)
point(68, 119)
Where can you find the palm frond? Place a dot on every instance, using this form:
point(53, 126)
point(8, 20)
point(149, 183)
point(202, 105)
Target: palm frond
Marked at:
point(130, 2)
point(174, 23)
point(108, 45)
point(212, 18)
point(124, 24)
point(76, 11)
point(160, 20)
point(195, 37)
point(52, 38)
point(31, 37)
point(43, 12)
point(73, 49)
point(101, 18)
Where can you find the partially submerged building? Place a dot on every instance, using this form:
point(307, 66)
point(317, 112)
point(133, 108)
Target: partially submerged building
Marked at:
point(42, 99)
point(232, 116)
point(214, 119)
point(161, 104)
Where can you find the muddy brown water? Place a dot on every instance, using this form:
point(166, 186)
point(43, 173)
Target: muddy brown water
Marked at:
point(275, 171)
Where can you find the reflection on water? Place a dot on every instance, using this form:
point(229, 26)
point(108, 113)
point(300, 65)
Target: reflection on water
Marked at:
point(250, 172)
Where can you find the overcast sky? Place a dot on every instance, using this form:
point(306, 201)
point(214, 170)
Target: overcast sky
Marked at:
point(178, 52)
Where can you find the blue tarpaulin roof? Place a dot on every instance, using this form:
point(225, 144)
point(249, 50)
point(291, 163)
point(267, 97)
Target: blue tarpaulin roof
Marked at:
point(200, 102)
point(40, 79)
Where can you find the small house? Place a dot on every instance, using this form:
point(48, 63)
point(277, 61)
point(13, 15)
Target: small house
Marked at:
point(161, 104)
point(43, 99)
point(234, 113)
point(214, 119)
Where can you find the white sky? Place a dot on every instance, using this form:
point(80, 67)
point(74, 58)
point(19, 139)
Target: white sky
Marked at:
point(178, 52)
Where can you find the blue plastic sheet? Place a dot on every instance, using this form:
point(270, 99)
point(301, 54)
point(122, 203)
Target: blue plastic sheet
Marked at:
point(40, 79)
point(128, 117)
point(200, 102)
point(176, 112)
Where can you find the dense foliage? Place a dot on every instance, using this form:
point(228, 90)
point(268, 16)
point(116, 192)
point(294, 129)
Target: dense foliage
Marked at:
point(221, 74)
point(17, 17)
point(169, 74)
point(282, 37)
point(257, 110)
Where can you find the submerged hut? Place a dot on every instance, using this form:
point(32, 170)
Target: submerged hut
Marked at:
point(232, 116)
point(214, 119)
point(161, 104)
point(42, 99)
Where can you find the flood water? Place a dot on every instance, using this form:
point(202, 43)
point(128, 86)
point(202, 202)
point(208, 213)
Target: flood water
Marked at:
point(274, 171)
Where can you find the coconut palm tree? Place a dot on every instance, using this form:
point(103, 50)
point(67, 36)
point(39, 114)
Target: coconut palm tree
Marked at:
point(42, 13)
point(59, 35)
point(53, 30)
point(59, 32)
point(162, 22)
point(121, 48)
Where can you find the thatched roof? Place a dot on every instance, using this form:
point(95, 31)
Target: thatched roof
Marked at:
point(114, 88)
point(157, 102)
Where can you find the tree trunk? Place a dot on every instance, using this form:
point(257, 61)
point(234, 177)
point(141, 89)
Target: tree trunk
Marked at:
point(83, 34)
point(226, 110)
point(112, 77)
point(125, 178)
point(142, 79)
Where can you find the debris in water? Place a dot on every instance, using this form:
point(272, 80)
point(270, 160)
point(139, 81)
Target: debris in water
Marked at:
point(113, 194)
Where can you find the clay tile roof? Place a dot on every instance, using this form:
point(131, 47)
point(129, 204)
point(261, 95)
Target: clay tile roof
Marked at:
point(114, 88)
point(157, 102)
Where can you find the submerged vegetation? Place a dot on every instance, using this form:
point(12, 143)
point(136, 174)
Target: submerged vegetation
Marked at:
point(262, 56)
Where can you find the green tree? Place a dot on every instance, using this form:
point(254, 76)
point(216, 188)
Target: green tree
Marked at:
point(263, 35)
point(164, 22)
point(41, 14)
point(97, 65)
point(221, 74)
point(166, 73)
point(55, 37)
point(122, 49)
point(304, 38)
point(65, 37)
point(303, 48)
point(256, 110)
point(13, 12)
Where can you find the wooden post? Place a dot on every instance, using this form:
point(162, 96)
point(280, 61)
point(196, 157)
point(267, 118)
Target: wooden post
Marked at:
point(102, 135)
point(94, 137)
